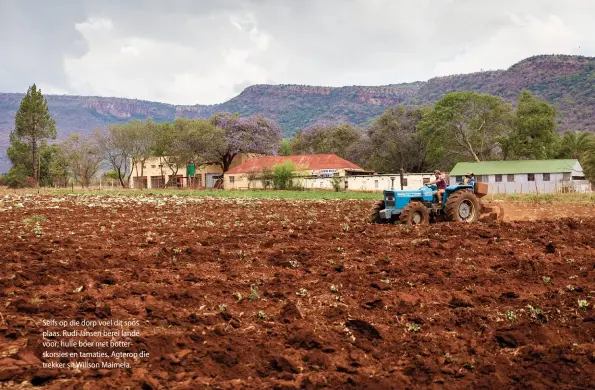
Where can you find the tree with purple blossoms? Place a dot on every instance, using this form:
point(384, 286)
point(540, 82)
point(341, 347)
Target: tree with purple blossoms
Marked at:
point(253, 134)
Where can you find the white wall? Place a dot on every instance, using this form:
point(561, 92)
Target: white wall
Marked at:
point(376, 183)
point(521, 184)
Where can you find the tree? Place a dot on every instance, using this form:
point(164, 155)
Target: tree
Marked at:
point(587, 159)
point(395, 142)
point(573, 144)
point(331, 138)
point(533, 134)
point(190, 141)
point(19, 154)
point(83, 157)
point(285, 148)
point(283, 175)
point(53, 166)
point(254, 134)
point(465, 126)
point(579, 145)
point(141, 137)
point(34, 124)
point(20, 174)
point(115, 147)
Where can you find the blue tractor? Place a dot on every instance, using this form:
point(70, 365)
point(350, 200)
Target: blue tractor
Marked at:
point(460, 203)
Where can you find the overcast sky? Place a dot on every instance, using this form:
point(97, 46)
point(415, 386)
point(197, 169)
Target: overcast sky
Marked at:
point(206, 52)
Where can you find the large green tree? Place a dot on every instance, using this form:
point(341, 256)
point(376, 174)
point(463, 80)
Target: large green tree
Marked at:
point(190, 141)
point(395, 142)
point(465, 126)
point(20, 174)
point(34, 124)
point(533, 134)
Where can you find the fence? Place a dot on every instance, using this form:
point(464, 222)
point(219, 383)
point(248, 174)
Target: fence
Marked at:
point(577, 186)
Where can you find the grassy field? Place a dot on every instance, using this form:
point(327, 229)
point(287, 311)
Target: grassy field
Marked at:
point(573, 198)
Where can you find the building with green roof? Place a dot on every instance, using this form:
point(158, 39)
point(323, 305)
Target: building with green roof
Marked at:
point(525, 176)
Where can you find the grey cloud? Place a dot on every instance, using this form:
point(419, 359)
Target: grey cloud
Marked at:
point(34, 37)
point(188, 51)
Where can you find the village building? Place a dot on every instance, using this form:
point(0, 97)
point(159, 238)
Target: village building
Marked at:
point(307, 170)
point(156, 173)
point(525, 176)
point(316, 171)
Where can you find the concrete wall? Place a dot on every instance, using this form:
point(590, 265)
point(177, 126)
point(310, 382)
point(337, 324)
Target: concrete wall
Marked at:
point(520, 183)
point(377, 183)
point(380, 183)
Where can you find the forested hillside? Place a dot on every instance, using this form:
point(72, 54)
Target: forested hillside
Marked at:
point(566, 81)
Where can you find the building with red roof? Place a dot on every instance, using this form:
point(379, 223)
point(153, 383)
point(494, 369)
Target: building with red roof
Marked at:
point(307, 166)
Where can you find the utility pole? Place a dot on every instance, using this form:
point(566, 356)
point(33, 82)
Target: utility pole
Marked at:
point(402, 173)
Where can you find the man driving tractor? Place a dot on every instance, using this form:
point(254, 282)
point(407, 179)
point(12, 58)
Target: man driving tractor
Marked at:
point(440, 184)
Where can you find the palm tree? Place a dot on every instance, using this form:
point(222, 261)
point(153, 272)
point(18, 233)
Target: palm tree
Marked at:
point(574, 143)
point(587, 158)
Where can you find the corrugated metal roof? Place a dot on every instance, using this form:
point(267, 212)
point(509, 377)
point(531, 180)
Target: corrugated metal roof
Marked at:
point(514, 167)
point(301, 162)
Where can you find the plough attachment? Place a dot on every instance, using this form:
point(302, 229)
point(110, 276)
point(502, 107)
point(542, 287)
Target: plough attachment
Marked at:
point(491, 211)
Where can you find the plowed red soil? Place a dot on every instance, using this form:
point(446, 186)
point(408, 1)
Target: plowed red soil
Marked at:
point(339, 303)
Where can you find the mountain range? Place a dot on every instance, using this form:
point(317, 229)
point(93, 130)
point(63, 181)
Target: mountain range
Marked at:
point(566, 81)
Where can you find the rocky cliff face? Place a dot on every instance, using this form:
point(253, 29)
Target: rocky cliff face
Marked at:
point(566, 81)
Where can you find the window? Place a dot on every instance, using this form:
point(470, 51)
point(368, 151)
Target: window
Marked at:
point(566, 176)
point(152, 166)
point(232, 179)
point(404, 182)
point(510, 178)
point(459, 179)
point(376, 183)
point(531, 177)
point(546, 177)
point(498, 178)
point(425, 180)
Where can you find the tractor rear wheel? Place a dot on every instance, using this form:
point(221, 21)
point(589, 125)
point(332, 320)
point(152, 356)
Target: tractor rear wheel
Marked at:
point(415, 213)
point(375, 215)
point(463, 206)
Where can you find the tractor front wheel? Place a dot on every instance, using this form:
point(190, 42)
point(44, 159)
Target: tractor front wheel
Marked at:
point(415, 213)
point(463, 206)
point(375, 215)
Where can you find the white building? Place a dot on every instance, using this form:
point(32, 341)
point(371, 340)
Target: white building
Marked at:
point(525, 176)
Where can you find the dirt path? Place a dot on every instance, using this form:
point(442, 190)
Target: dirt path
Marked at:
point(295, 294)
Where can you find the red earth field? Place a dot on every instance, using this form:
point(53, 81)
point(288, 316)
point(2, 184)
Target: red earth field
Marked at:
point(250, 293)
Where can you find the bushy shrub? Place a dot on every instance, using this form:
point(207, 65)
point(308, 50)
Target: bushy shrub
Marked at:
point(336, 182)
point(18, 177)
point(267, 177)
point(283, 176)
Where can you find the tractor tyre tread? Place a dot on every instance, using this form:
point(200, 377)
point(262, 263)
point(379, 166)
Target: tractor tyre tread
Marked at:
point(452, 206)
point(375, 215)
point(406, 214)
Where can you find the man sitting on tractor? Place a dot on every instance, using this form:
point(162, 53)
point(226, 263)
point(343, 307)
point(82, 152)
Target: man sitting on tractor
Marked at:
point(469, 179)
point(440, 184)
